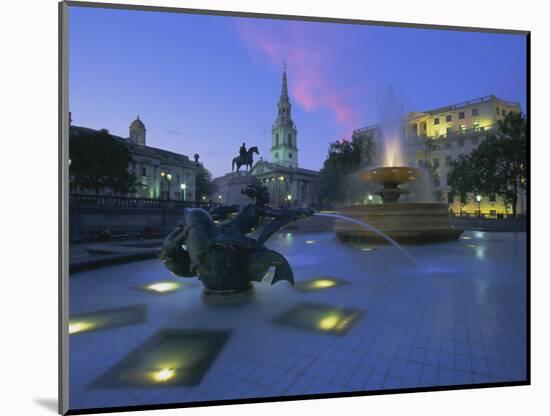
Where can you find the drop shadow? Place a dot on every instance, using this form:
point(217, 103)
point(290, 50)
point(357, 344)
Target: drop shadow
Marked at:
point(49, 404)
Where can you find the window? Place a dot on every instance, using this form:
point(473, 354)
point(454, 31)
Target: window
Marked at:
point(448, 160)
point(436, 162)
point(436, 120)
point(276, 155)
point(449, 130)
point(143, 171)
point(290, 140)
point(290, 155)
point(460, 142)
point(449, 117)
point(475, 112)
point(277, 139)
point(461, 115)
point(498, 111)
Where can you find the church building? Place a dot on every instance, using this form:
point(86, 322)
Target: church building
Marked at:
point(288, 184)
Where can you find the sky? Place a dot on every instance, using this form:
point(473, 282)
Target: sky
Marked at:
point(204, 84)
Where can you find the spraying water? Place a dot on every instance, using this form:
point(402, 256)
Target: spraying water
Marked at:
point(374, 230)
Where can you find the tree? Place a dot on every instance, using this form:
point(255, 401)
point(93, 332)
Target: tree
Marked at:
point(338, 182)
point(203, 182)
point(498, 166)
point(461, 180)
point(100, 163)
point(500, 161)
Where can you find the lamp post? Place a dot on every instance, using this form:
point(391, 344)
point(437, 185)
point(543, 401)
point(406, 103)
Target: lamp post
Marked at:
point(478, 199)
point(183, 187)
point(289, 199)
point(169, 179)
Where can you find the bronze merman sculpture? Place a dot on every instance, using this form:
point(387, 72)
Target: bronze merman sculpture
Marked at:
point(223, 257)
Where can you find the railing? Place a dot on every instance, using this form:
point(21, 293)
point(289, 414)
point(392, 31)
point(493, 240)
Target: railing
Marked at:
point(86, 200)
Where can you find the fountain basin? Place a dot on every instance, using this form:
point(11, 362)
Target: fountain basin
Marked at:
point(406, 223)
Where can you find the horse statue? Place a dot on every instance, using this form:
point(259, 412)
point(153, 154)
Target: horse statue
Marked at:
point(246, 160)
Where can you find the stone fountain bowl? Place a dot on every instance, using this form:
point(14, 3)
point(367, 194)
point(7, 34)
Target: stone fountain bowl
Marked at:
point(395, 175)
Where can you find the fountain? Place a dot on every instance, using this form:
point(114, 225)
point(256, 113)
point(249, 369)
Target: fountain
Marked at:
point(404, 222)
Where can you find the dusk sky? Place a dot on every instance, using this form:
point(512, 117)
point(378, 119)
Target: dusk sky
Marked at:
point(204, 84)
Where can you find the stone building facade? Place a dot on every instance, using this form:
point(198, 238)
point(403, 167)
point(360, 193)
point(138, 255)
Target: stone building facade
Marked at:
point(160, 174)
point(442, 135)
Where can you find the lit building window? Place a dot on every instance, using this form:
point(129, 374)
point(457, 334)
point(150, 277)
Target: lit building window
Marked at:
point(462, 128)
point(461, 115)
point(476, 125)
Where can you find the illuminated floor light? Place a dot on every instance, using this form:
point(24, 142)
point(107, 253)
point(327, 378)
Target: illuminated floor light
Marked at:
point(163, 375)
point(366, 249)
point(327, 319)
point(106, 319)
point(171, 357)
point(310, 241)
point(82, 326)
point(329, 323)
point(319, 283)
point(323, 283)
point(163, 287)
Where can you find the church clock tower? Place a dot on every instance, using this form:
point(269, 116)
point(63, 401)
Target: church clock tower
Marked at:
point(284, 150)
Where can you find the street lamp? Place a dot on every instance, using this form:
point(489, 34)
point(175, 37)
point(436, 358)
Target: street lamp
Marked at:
point(169, 179)
point(183, 187)
point(478, 199)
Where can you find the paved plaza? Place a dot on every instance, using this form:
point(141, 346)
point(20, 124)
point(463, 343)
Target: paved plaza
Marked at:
point(359, 318)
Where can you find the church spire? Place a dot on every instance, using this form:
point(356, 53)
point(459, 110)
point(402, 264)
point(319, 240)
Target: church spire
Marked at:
point(284, 150)
point(284, 89)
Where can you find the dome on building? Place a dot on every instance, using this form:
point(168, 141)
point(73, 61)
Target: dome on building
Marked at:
point(137, 123)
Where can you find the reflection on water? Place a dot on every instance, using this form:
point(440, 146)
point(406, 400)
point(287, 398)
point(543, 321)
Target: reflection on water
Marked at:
point(171, 357)
point(107, 318)
point(320, 317)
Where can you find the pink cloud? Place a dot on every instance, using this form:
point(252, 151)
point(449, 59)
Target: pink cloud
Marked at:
point(309, 66)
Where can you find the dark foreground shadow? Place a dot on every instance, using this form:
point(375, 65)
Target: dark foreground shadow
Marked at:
point(50, 404)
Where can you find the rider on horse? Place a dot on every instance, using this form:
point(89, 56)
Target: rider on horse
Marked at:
point(242, 152)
